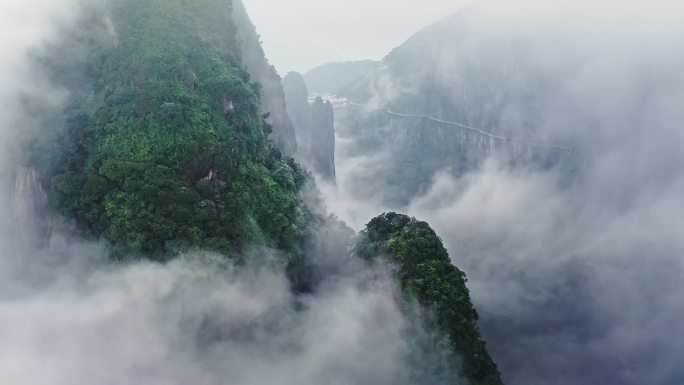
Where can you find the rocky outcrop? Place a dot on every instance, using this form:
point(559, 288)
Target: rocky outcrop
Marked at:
point(194, 167)
point(29, 200)
point(297, 97)
point(323, 138)
point(314, 124)
point(272, 95)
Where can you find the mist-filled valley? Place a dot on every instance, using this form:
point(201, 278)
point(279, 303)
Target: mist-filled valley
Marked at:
point(497, 199)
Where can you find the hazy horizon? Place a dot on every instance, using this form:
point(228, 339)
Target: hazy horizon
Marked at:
point(337, 30)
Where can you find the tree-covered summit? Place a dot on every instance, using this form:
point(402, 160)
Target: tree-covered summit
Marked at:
point(427, 275)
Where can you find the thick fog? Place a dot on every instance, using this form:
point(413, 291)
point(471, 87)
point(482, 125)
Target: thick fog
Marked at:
point(577, 275)
point(339, 30)
point(26, 28)
point(196, 321)
point(69, 315)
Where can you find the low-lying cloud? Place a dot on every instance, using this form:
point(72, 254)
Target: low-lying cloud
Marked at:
point(68, 314)
point(198, 320)
point(577, 275)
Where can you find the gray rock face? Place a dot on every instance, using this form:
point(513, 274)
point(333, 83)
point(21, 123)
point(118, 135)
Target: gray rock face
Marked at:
point(29, 204)
point(323, 138)
point(297, 97)
point(272, 94)
point(314, 124)
point(450, 98)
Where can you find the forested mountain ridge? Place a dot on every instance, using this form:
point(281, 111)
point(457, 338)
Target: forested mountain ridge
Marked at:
point(315, 126)
point(272, 95)
point(165, 144)
point(463, 93)
point(162, 148)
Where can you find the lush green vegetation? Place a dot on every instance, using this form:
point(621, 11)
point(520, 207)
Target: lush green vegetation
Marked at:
point(164, 149)
point(165, 146)
point(427, 275)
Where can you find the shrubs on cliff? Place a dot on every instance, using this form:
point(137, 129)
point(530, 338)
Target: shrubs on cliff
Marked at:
point(427, 275)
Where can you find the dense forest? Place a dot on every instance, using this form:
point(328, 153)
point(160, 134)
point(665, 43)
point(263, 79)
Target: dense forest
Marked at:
point(426, 274)
point(165, 147)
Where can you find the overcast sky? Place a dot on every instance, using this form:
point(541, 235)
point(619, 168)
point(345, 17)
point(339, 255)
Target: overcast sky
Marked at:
point(302, 34)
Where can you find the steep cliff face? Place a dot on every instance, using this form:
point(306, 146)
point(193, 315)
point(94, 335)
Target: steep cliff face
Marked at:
point(452, 96)
point(272, 95)
point(315, 126)
point(297, 97)
point(29, 200)
point(323, 138)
